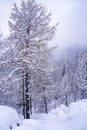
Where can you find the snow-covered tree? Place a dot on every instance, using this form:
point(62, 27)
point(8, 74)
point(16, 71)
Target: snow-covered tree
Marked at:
point(81, 75)
point(66, 76)
point(30, 32)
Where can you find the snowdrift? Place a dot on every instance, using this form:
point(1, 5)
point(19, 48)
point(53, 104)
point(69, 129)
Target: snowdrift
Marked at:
point(73, 117)
point(8, 118)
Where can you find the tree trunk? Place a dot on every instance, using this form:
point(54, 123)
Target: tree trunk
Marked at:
point(30, 105)
point(66, 102)
point(55, 102)
point(45, 103)
point(24, 95)
point(27, 111)
point(24, 102)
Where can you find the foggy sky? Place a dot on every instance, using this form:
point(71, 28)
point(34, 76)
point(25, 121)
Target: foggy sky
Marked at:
point(71, 15)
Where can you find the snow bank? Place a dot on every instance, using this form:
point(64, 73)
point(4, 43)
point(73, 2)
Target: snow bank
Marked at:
point(73, 117)
point(8, 118)
point(79, 107)
point(59, 113)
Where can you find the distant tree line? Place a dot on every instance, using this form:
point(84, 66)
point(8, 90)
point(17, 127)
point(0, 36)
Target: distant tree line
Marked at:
point(70, 76)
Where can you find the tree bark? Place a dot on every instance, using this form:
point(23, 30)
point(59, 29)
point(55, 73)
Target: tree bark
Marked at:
point(24, 95)
point(55, 102)
point(30, 105)
point(23, 102)
point(27, 111)
point(66, 100)
point(45, 103)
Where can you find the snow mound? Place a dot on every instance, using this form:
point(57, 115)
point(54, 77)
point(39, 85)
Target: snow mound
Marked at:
point(73, 117)
point(78, 107)
point(8, 118)
point(61, 112)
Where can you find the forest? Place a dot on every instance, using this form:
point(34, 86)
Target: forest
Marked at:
point(32, 78)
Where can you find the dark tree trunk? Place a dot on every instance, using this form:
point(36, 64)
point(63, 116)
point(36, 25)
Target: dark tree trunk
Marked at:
point(27, 102)
point(66, 102)
point(24, 101)
point(45, 103)
point(24, 95)
point(30, 105)
point(55, 102)
point(27, 111)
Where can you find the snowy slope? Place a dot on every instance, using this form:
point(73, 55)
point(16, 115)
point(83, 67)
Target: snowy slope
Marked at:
point(72, 118)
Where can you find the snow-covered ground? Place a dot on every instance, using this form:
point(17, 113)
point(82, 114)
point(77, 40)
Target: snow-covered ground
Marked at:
point(73, 117)
point(8, 118)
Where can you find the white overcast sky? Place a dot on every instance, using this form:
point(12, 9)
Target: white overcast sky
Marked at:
point(71, 15)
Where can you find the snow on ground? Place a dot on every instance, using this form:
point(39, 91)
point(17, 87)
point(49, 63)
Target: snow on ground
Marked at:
point(73, 117)
point(8, 118)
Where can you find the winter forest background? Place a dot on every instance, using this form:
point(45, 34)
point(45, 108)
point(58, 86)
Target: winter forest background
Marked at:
point(34, 77)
